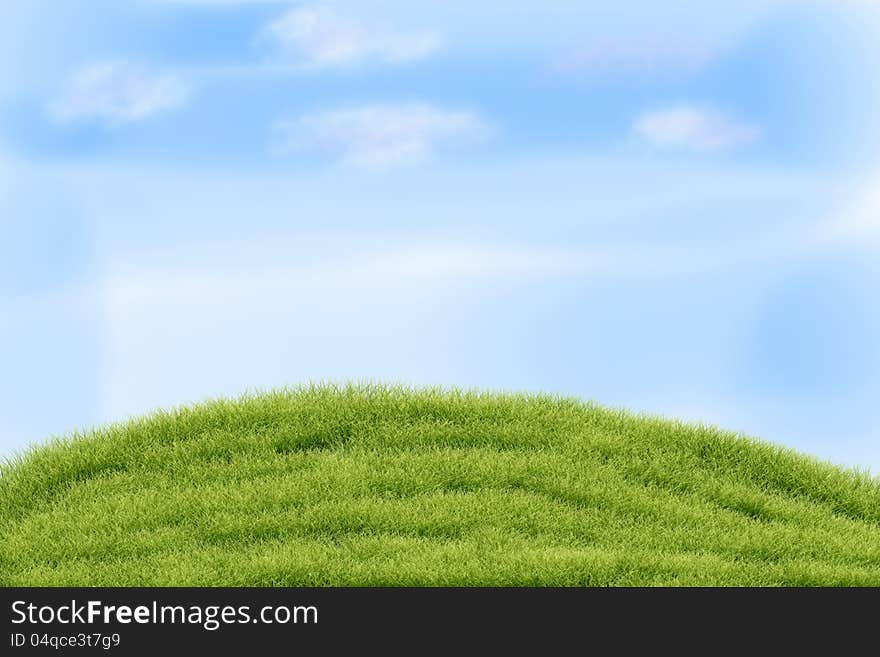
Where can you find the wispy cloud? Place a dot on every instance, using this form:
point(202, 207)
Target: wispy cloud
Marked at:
point(695, 128)
point(382, 270)
point(377, 136)
point(634, 58)
point(117, 93)
point(859, 222)
point(219, 3)
point(316, 37)
point(392, 271)
point(6, 171)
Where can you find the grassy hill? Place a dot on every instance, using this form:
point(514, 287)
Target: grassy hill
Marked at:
point(371, 485)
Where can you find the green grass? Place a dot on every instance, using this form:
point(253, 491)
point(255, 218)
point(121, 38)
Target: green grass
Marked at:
point(373, 485)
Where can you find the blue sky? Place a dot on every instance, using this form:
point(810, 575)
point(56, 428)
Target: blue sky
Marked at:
point(671, 207)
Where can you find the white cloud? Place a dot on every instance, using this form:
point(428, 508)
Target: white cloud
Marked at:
point(117, 93)
point(346, 314)
point(395, 269)
point(218, 3)
point(695, 128)
point(6, 172)
point(352, 315)
point(643, 57)
point(377, 136)
point(316, 37)
point(859, 222)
